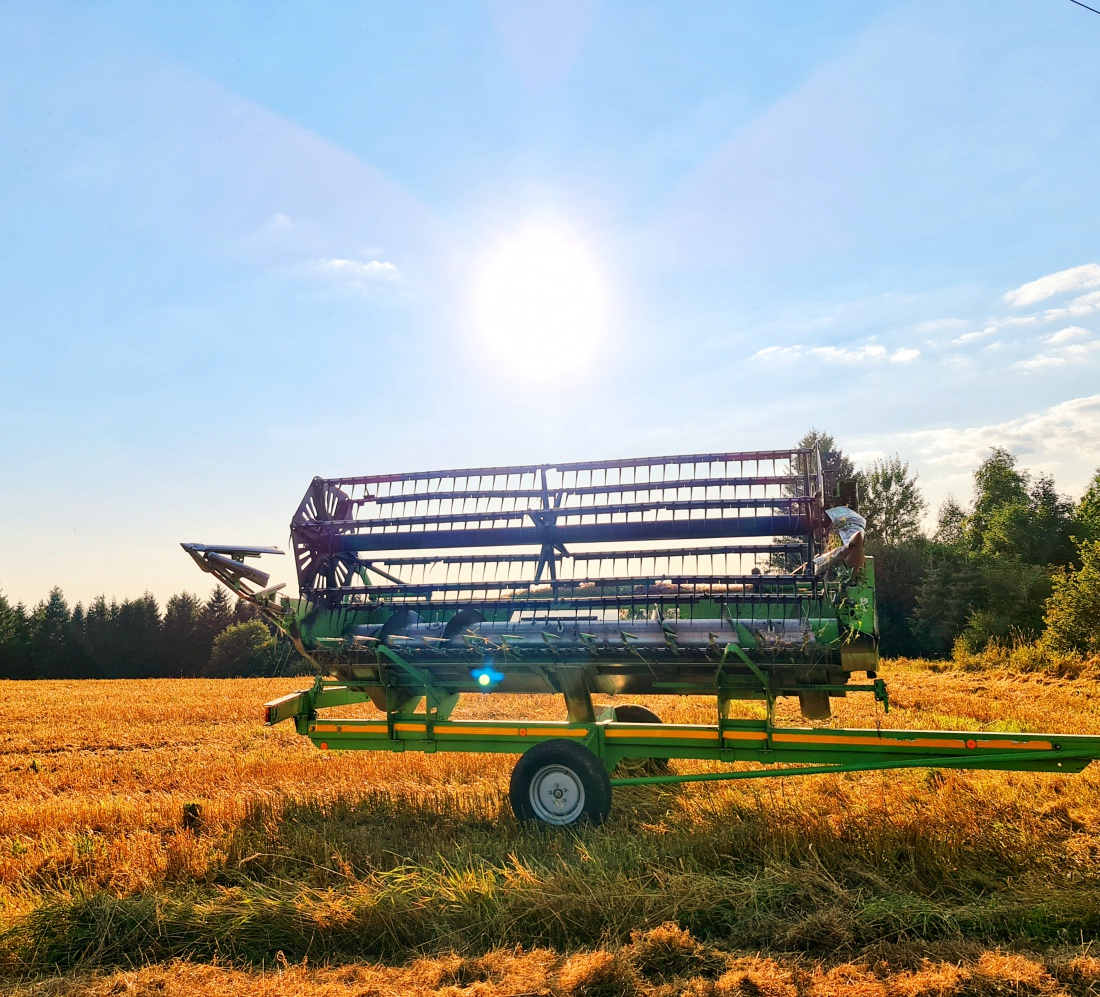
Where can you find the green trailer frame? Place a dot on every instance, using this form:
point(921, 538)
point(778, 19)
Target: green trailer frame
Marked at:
point(633, 748)
point(815, 750)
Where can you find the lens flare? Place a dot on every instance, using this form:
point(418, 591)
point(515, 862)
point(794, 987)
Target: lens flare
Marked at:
point(487, 676)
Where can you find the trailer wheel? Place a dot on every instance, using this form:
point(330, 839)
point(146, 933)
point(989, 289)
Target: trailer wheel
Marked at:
point(560, 783)
point(631, 713)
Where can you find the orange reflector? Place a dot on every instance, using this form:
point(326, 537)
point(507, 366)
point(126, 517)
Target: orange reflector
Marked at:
point(324, 745)
point(971, 743)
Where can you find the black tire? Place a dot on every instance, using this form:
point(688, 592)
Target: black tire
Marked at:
point(631, 713)
point(561, 784)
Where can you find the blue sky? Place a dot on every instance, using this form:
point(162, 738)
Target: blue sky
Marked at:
point(242, 244)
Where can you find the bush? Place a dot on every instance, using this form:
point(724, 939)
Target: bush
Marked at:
point(242, 649)
point(1073, 609)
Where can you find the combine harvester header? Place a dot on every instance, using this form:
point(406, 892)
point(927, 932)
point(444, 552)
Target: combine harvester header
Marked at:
point(738, 576)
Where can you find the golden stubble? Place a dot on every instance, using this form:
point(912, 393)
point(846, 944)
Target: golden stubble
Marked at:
point(95, 775)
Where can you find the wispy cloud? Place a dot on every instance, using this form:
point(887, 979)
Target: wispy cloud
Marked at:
point(995, 326)
point(863, 353)
point(972, 337)
point(1074, 279)
point(1086, 304)
point(779, 353)
point(1061, 355)
point(846, 354)
point(1066, 335)
point(1041, 360)
point(355, 275)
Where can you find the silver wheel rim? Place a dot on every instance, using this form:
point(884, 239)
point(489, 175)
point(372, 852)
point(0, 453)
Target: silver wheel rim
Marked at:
point(557, 795)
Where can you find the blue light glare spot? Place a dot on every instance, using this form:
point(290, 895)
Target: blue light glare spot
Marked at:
point(486, 676)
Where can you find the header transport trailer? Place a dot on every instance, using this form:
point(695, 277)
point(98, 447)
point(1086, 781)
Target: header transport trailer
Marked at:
point(740, 576)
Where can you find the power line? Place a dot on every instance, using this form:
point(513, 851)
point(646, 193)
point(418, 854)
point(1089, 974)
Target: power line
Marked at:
point(1085, 5)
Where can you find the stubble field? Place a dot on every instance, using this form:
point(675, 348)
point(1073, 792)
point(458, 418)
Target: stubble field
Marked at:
point(370, 873)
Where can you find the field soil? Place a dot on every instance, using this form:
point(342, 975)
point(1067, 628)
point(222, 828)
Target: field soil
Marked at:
point(156, 838)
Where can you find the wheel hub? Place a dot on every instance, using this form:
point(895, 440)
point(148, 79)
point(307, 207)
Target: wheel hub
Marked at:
point(557, 794)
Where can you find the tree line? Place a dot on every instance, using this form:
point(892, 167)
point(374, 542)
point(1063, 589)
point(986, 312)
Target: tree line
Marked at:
point(217, 638)
point(1019, 562)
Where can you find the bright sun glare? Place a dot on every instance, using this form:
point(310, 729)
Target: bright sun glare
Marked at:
point(540, 302)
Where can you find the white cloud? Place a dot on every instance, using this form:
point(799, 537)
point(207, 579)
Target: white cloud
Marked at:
point(1080, 351)
point(1040, 361)
point(1061, 435)
point(353, 274)
point(781, 353)
point(1066, 335)
point(994, 326)
point(1086, 304)
point(356, 268)
point(844, 354)
point(1075, 278)
point(1060, 441)
point(867, 353)
point(1060, 356)
point(970, 337)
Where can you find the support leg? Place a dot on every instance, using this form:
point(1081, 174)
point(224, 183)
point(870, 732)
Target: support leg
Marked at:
point(578, 697)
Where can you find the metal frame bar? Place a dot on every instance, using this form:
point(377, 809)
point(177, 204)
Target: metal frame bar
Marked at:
point(783, 751)
point(690, 460)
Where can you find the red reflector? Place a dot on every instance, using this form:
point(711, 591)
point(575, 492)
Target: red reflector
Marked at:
point(972, 744)
point(324, 745)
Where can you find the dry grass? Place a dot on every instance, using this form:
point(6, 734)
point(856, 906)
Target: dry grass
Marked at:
point(937, 972)
point(891, 883)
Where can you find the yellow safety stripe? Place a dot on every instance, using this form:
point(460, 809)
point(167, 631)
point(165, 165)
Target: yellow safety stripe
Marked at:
point(348, 727)
point(1041, 745)
point(916, 742)
point(471, 730)
point(701, 734)
point(480, 731)
point(744, 735)
point(553, 732)
point(706, 735)
point(511, 731)
point(904, 742)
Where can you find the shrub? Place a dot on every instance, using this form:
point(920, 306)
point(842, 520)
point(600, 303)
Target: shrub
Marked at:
point(242, 649)
point(1073, 610)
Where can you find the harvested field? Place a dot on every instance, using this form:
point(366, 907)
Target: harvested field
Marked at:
point(375, 873)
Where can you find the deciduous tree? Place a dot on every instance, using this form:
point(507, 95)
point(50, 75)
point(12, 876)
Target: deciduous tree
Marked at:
point(891, 502)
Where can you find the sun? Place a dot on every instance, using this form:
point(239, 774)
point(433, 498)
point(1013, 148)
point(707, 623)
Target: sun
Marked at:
point(540, 302)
